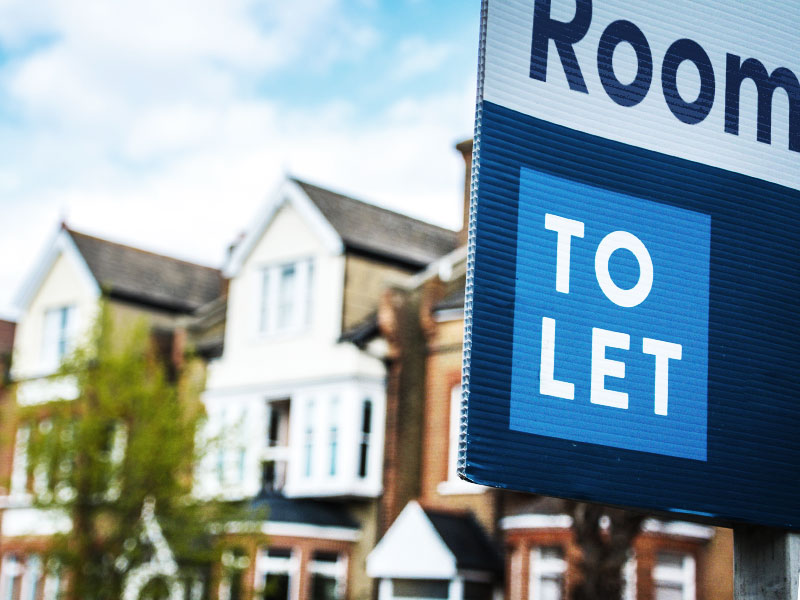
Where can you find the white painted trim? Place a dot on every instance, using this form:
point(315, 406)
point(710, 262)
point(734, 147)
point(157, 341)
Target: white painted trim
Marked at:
point(23, 522)
point(301, 530)
point(534, 521)
point(541, 568)
point(286, 389)
point(60, 242)
point(455, 591)
point(266, 565)
point(449, 314)
point(459, 487)
point(385, 589)
point(454, 485)
point(683, 576)
point(287, 192)
point(679, 529)
point(42, 390)
point(441, 267)
point(310, 531)
point(671, 528)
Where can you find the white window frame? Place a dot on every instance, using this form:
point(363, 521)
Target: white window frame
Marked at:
point(542, 568)
point(19, 465)
point(52, 582)
point(266, 565)
point(59, 324)
point(336, 570)
point(271, 296)
point(31, 577)
point(11, 569)
point(454, 484)
point(683, 576)
point(629, 578)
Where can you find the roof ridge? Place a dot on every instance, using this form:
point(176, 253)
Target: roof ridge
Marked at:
point(371, 205)
point(140, 250)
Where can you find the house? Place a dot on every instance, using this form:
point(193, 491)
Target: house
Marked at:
point(312, 440)
point(300, 410)
point(58, 305)
point(535, 535)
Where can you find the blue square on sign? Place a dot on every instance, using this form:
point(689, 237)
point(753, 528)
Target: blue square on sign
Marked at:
point(610, 319)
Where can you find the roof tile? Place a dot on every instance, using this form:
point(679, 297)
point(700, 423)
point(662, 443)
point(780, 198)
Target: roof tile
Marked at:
point(141, 276)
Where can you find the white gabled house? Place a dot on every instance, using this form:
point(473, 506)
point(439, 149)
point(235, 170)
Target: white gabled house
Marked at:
point(307, 409)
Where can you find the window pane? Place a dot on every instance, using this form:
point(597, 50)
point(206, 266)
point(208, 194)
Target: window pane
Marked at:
point(309, 441)
point(286, 298)
point(421, 588)
point(221, 465)
point(325, 557)
point(242, 463)
point(263, 321)
point(670, 559)
point(551, 552)
point(477, 591)
point(550, 589)
point(334, 435)
point(674, 576)
point(309, 291)
point(366, 428)
point(323, 587)
point(276, 586)
point(547, 573)
point(669, 593)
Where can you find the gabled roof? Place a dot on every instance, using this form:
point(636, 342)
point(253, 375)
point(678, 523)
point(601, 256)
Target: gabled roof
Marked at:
point(433, 544)
point(465, 538)
point(375, 230)
point(144, 277)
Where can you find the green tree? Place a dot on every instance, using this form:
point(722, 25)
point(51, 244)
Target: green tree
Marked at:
point(119, 461)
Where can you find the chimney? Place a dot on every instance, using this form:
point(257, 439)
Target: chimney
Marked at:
point(465, 148)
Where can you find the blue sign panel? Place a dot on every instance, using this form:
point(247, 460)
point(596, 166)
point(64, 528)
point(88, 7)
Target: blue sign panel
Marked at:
point(632, 330)
point(617, 348)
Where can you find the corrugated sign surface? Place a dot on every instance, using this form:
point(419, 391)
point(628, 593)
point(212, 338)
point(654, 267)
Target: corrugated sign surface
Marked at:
point(632, 334)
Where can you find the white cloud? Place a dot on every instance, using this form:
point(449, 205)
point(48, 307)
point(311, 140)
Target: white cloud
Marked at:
point(137, 122)
point(417, 56)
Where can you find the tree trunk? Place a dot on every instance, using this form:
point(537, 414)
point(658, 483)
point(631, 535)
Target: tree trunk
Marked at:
point(605, 545)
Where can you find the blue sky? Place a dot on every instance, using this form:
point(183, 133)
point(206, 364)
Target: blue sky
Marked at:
point(167, 124)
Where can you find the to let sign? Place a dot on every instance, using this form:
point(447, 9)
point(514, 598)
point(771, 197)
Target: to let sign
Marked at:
point(632, 326)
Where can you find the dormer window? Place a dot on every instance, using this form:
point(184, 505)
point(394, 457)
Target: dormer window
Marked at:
point(285, 297)
point(58, 338)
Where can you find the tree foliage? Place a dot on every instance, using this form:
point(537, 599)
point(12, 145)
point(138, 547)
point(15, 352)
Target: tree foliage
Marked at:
point(128, 441)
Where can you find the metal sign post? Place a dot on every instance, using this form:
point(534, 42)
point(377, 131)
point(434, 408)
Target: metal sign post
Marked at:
point(766, 564)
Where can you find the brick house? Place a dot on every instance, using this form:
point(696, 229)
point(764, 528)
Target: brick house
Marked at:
point(302, 410)
point(58, 304)
point(533, 534)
